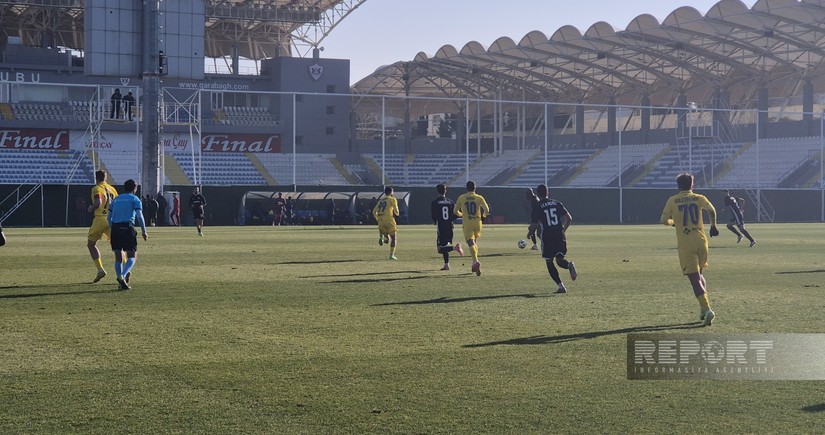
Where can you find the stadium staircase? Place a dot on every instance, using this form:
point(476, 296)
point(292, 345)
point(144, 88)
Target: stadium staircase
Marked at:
point(256, 162)
point(15, 199)
point(351, 179)
point(764, 209)
point(649, 166)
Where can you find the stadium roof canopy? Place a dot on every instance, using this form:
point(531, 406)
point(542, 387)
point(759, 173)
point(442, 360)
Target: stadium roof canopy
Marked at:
point(255, 28)
point(777, 44)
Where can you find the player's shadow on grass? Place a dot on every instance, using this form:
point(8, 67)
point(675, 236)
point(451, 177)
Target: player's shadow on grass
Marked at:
point(37, 295)
point(318, 262)
point(361, 274)
point(815, 408)
point(449, 300)
point(790, 272)
point(544, 339)
point(368, 280)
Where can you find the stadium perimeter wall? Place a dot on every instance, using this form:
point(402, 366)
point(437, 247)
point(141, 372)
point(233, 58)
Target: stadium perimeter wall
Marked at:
point(588, 206)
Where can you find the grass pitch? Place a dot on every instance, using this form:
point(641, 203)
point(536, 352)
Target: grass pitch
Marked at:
point(313, 330)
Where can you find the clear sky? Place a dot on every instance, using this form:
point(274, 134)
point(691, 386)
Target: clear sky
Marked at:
point(382, 32)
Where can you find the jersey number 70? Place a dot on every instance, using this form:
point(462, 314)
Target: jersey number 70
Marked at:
point(691, 211)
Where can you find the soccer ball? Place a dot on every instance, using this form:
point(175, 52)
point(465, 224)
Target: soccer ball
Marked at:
point(522, 244)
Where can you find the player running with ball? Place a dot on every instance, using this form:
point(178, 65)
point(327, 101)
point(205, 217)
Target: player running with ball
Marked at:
point(553, 219)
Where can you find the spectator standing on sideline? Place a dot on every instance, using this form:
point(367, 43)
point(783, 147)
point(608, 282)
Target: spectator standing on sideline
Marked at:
point(290, 210)
point(161, 209)
point(114, 113)
point(280, 208)
point(102, 195)
point(126, 209)
point(175, 215)
point(151, 211)
point(197, 202)
point(128, 102)
point(331, 211)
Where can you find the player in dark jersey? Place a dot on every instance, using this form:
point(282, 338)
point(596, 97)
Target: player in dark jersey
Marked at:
point(737, 217)
point(196, 203)
point(442, 213)
point(554, 220)
point(535, 215)
point(2, 236)
point(280, 208)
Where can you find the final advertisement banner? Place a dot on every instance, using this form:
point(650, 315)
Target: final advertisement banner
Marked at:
point(80, 140)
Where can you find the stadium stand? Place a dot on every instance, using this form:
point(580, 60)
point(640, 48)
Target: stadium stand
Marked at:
point(225, 169)
point(706, 162)
point(562, 164)
point(422, 169)
point(314, 169)
point(604, 166)
point(491, 168)
point(45, 166)
point(121, 165)
point(779, 157)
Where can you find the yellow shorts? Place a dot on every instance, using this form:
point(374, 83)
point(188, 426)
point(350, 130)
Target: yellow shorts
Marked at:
point(387, 228)
point(693, 255)
point(100, 228)
point(472, 229)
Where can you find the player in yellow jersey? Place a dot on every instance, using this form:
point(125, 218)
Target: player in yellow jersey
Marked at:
point(385, 212)
point(472, 209)
point(684, 211)
point(102, 195)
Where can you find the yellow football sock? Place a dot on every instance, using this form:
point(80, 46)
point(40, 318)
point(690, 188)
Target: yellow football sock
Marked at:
point(392, 250)
point(99, 263)
point(474, 252)
point(703, 302)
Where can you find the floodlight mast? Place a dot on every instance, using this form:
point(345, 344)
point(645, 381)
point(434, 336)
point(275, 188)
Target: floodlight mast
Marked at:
point(153, 62)
point(308, 37)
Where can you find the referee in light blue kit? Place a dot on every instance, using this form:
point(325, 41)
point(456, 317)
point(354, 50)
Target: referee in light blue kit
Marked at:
point(123, 211)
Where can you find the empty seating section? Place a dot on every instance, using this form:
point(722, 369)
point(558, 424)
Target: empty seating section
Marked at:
point(121, 165)
point(559, 161)
point(312, 169)
point(490, 166)
point(604, 167)
point(41, 166)
point(706, 161)
point(221, 169)
point(36, 112)
point(245, 116)
point(777, 157)
point(423, 169)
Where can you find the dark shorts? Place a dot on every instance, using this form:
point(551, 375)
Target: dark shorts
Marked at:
point(737, 220)
point(124, 237)
point(445, 235)
point(197, 212)
point(553, 244)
